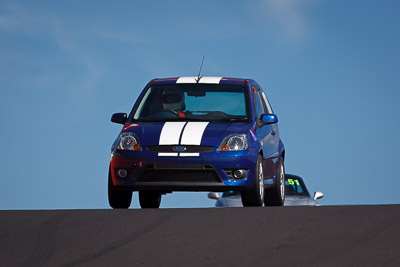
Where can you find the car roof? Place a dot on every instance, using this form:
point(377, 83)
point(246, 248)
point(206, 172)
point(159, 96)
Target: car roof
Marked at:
point(203, 80)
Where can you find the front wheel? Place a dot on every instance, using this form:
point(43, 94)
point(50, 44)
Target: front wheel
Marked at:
point(118, 199)
point(149, 199)
point(275, 196)
point(255, 196)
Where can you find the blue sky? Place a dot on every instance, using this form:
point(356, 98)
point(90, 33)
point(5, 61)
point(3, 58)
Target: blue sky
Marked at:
point(330, 68)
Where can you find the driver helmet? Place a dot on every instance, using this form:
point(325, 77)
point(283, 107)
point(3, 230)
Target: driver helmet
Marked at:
point(173, 99)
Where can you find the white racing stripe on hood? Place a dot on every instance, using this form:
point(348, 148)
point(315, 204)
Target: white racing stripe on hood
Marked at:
point(193, 133)
point(171, 133)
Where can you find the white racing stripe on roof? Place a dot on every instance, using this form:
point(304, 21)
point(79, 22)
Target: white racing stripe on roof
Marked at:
point(193, 133)
point(214, 80)
point(209, 80)
point(187, 80)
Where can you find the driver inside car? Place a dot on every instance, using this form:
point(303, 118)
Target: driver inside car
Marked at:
point(174, 101)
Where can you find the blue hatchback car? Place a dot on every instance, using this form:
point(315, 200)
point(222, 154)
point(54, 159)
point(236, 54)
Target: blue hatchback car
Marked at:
point(198, 134)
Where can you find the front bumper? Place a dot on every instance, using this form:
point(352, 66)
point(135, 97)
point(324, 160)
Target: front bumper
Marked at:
point(210, 171)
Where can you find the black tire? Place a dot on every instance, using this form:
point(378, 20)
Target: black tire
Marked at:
point(149, 199)
point(118, 199)
point(275, 196)
point(255, 196)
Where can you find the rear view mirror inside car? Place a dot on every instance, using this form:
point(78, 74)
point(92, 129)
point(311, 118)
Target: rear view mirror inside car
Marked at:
point(196, 92)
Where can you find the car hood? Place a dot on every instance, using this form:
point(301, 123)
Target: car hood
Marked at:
point(184, 133)
point(232, 201)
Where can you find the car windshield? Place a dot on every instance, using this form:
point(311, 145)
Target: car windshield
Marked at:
point(295, 186)
point(203, 102)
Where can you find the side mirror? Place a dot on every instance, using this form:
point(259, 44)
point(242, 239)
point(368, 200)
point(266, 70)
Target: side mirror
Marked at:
point(269, 118)
point(119, 118)
point(318, 195)
point(213, 195)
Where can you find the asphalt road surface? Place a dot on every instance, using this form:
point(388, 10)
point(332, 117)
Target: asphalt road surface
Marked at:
point(269, 236)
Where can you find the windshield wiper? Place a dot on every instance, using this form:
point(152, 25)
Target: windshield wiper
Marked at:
point(170, 119)
point(231, 120)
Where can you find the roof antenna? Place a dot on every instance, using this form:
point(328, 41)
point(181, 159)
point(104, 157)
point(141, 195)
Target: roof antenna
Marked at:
point(198, 76)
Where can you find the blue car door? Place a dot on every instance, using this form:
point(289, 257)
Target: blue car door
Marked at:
point(267, 134)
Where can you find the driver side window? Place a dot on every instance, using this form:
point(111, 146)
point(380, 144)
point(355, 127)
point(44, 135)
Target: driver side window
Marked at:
point(259, 105)
point(267, 104)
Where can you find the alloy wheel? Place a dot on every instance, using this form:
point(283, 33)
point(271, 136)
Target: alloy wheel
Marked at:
point(261, 181)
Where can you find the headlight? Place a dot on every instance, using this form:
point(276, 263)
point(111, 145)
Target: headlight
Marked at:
point(234, 142)
point(128, 141)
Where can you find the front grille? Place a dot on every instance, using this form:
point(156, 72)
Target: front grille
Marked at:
point(174, 175)
point(189, 149)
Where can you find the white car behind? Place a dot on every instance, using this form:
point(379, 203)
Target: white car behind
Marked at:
point(296, 194)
